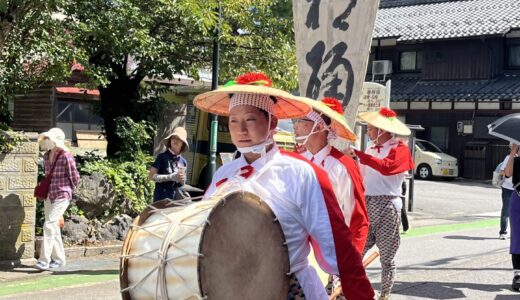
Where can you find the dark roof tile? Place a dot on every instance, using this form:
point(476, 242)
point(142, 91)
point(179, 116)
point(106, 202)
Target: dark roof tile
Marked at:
point(412, 88)
point(447, 19)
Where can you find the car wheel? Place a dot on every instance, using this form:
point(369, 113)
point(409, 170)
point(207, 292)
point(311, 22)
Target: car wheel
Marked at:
point(424, 172)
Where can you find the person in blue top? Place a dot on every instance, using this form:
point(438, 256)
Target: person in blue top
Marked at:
point(169, 169)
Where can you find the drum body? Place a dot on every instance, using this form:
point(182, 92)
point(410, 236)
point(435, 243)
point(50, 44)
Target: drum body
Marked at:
point(222, 248)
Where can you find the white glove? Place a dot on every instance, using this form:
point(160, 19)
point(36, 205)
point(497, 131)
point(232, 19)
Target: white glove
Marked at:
point(165, 178)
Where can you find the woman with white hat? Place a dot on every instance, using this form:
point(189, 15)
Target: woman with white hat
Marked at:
point(59, 164)
point(169, 169)
point(299, 194)
point(383, 166)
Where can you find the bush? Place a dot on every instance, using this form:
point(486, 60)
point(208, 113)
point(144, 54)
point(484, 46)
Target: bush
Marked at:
point(133, 190)
point(128, 172)
point(9, 139)
point(136, 137)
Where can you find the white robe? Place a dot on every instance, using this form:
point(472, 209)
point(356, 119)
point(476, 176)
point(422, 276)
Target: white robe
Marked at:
point(338, 176)
point(291, 189)
point(377, 184)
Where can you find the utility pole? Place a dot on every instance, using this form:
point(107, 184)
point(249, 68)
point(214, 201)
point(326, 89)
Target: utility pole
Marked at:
point(212, 159)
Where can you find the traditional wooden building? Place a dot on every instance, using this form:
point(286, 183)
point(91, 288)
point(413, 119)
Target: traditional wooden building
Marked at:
point(58, 104)
point(455, 67)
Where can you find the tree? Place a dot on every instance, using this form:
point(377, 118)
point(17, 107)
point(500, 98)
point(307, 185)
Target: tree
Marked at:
point(33, 47)
point(122, 42)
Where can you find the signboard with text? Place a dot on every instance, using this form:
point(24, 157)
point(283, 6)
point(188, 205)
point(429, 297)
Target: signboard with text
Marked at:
point(373, 97)
point(333, 40)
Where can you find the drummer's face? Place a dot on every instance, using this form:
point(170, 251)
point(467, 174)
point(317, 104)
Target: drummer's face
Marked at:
point(248, 125)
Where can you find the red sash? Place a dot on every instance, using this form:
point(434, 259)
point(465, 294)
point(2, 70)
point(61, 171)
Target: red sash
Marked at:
point(352, 273)
point(359, 220)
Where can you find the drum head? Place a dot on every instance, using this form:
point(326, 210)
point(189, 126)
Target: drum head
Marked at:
point(243, 252)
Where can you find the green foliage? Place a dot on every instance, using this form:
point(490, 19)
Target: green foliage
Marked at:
point(9, 139)
point(122, 42)
point(134, 136)
point(40, 218)
point(157, 38)
point(73, 210)
point(34, 47)
point(133, 190)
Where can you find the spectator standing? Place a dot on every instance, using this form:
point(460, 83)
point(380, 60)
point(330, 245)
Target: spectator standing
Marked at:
point(64, 178)
point(507, 190)
point(169, 169)
point(513, 170)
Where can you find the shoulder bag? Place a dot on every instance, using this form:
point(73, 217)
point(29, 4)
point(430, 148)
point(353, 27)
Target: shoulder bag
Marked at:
point(42, 188)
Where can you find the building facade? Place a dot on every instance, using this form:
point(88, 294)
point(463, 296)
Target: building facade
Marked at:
point(455, 67)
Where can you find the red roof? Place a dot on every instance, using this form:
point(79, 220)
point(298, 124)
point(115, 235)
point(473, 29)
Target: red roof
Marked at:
point(74, 90)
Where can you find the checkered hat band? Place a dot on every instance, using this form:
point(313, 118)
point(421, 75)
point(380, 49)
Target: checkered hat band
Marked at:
point(316, 117)
point(260, 101)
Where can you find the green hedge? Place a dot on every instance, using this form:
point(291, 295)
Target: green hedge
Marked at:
point(133, 190)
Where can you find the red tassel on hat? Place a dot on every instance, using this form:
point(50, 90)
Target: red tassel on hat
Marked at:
point(257, 78)
point(387, 112)
point(333, 103)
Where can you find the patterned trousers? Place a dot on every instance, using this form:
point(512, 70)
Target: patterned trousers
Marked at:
point(295, 289)
point(384, 232)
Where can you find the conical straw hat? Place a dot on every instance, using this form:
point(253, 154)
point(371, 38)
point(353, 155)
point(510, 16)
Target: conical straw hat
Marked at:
point(385, 119)
point(287, 106)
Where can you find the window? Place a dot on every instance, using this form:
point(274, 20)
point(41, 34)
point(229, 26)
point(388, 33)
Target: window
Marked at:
point(410, 61)
point(74, 115)
point(506, 104)
point(439, 136)
point(427, 147)
point(513, 56)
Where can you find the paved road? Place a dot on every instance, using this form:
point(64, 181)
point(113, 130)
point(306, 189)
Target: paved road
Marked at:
point(468, 264)
point(441, 202)
point(451, 261)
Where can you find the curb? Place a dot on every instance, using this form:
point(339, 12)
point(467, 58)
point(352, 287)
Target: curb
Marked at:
point(70, 253)
point(79, 252)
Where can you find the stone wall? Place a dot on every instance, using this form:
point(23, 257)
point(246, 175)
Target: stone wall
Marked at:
point(18, 175)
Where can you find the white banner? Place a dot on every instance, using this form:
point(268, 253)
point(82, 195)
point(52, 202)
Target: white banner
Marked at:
point(333, 40)
point(373, 97)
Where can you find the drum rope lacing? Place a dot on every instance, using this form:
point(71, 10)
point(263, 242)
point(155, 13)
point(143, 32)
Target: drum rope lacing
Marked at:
point(162, 252)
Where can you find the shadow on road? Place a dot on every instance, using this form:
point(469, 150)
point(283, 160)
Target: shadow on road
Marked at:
point(446, 290)
point(86, 272)
point(468, 182)
point(469, 238)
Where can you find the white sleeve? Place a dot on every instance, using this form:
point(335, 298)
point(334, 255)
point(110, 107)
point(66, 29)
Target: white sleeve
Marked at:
point(317, 222)
point(342, 184)
point(504, 163)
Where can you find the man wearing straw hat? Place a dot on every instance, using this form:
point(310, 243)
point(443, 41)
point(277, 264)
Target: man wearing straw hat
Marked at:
point(383, 166)
point(322, 125)
point(299, 193)
point(169, 169)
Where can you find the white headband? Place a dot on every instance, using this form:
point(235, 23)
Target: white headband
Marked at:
point(260, 101)
point(316, 117)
